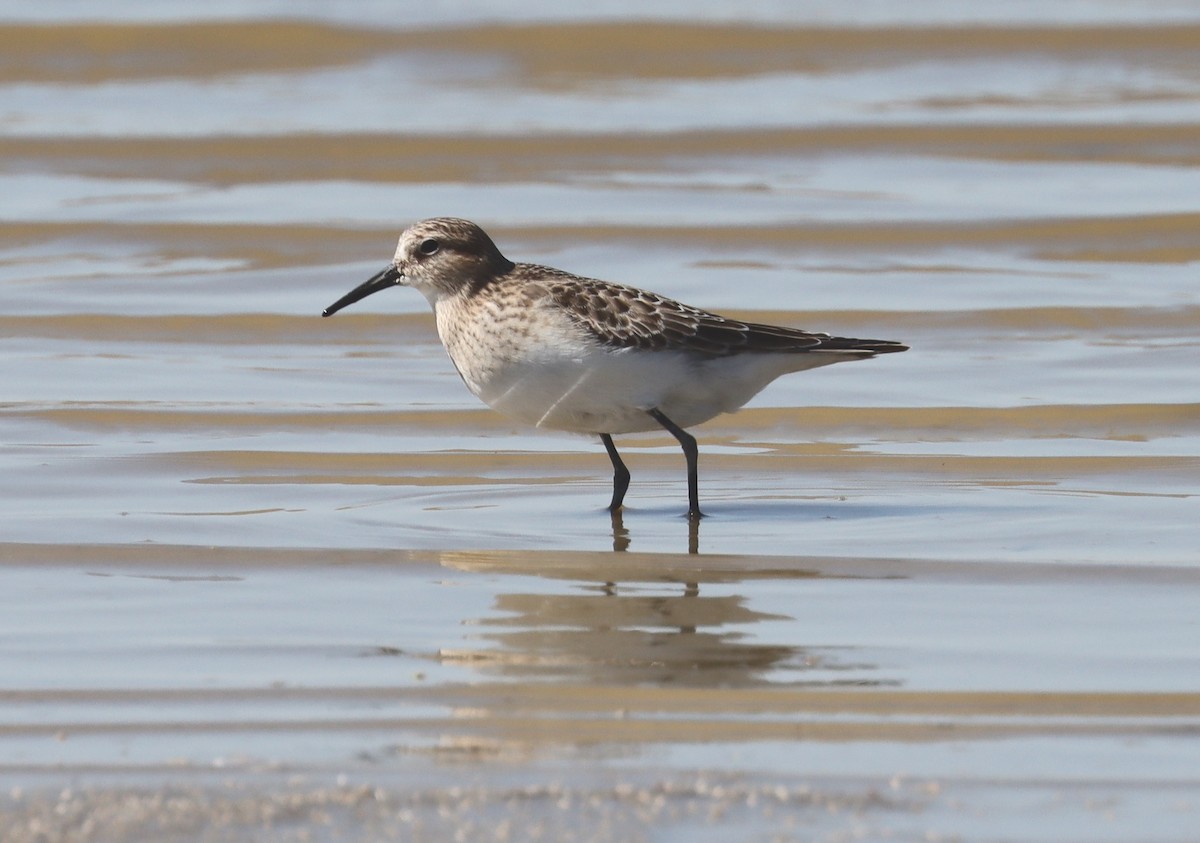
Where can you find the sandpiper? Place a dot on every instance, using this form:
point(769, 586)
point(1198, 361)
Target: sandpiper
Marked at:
point(564, 352)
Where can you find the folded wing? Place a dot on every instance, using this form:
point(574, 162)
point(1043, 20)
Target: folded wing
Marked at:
point(624, 317)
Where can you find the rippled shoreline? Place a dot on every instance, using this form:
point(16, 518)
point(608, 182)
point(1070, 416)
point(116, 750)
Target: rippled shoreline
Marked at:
point(276, 576)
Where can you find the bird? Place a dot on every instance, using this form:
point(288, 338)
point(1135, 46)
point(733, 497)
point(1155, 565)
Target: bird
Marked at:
point(564, 352)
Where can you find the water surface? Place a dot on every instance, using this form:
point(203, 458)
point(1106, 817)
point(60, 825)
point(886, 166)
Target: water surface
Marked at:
point(278, 576)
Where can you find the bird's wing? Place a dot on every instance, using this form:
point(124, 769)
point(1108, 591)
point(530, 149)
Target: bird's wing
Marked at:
point(625, 317)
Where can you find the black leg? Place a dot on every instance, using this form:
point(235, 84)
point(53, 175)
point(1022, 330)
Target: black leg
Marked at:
point(691, 452)
point(620, 473)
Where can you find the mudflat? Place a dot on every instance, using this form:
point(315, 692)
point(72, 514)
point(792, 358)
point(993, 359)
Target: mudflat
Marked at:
point(273, 576)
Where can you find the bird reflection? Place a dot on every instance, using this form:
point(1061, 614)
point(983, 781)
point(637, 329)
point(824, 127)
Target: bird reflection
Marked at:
point(621, 538)
point(620, 533)
point(637, 633)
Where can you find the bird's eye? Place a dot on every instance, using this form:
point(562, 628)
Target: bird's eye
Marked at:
point(428, 247)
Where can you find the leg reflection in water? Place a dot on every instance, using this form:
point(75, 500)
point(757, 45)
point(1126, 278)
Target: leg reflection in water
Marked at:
point(621, 541)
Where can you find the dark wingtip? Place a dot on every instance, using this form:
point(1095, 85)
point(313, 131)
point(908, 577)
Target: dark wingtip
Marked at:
point(868, 348)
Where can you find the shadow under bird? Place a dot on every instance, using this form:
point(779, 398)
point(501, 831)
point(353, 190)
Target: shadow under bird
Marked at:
point(559, 351)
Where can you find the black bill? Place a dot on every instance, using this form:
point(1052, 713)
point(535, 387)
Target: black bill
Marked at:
point(389, 277)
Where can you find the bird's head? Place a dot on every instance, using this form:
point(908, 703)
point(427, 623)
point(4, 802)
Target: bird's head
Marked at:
point(440, 257)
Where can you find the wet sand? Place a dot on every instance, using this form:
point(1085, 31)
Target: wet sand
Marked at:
point(272, 576)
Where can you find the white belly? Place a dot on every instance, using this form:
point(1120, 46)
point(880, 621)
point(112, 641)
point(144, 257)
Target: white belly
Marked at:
point(544, 371)
point(610, 391)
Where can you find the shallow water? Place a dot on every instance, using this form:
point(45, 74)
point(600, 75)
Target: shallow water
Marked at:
point(274, 575)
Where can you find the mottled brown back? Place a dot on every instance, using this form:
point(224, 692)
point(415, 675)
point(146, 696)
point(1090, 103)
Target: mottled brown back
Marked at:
point(625, 317)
